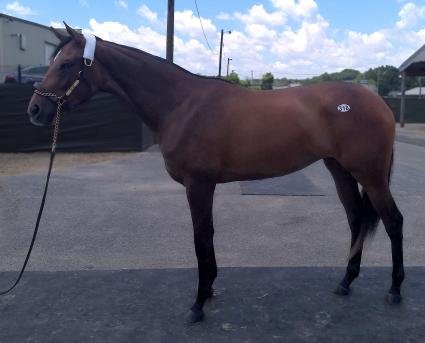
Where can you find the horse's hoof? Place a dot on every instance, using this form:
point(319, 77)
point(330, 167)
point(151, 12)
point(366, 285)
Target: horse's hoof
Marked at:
point(341, 290)
point(393, 298)
point(195, 316)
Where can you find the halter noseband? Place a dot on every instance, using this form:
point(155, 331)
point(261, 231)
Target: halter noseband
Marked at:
point(60, 100)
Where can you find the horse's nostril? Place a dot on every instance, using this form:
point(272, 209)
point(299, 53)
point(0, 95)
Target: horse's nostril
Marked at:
point(35, 109)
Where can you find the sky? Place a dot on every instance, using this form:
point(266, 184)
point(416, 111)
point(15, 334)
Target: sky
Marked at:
point(290, 38)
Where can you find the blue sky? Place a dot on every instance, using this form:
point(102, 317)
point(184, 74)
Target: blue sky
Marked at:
point(287, 37)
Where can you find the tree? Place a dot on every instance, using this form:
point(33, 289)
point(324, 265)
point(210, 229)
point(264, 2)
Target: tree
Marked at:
point(246, 83)
point(346, 75)
point(234, 78)
point(267, 81)
point(386, 78)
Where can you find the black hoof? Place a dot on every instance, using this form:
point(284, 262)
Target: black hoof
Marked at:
point(341, 290)
point(195, 316)
point(393, 298)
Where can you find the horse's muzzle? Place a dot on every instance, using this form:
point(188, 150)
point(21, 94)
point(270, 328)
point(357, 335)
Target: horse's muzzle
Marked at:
point(39, 117)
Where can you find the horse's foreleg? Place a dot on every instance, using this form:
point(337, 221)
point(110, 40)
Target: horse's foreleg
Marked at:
point(351, 199)
point(200, 196)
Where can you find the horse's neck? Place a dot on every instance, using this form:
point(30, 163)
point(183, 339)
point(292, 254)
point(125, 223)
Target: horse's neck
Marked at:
point(152, 86)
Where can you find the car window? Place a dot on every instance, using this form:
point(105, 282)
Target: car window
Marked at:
point(36, 71)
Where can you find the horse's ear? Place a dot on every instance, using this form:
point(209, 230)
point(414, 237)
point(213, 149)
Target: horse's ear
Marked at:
point(76, 36)
point(61, 36)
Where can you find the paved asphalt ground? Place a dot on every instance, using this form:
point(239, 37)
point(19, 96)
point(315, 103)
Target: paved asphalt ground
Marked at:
point(114, 260)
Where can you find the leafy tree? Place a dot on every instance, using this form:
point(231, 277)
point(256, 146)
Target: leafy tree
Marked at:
point(386, 78)
point(246, 83)
point(346, 75)
point(234, 78)
point(267, 81)
point(283, 82)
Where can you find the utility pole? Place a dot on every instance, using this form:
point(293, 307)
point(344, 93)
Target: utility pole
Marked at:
point(403, 98)
point(221, 51)
point(228, 63)
point(170, 31)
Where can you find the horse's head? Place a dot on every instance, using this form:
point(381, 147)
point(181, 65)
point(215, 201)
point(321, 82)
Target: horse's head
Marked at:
point(60, 83)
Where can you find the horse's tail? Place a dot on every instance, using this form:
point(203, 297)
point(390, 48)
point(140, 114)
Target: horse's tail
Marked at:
point(370, 218)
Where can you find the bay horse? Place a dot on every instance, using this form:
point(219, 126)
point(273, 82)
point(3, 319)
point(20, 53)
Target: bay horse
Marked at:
point(211, 131)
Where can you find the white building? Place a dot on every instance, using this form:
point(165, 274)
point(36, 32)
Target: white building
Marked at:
point(24, 43)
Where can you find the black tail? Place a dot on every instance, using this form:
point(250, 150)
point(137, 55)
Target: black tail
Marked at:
point(370, 218)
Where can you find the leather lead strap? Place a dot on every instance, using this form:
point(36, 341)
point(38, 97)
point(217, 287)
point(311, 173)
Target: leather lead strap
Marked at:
point(43, 200)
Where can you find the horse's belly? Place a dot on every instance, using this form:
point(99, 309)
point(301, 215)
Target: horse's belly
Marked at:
point(257, 163)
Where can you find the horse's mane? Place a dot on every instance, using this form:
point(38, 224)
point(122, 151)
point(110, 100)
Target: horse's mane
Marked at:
point(163, 60)
point(160, 59)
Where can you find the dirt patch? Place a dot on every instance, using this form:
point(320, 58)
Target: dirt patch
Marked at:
point(14, 164)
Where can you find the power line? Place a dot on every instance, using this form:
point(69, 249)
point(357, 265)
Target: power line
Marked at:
point(202, 26)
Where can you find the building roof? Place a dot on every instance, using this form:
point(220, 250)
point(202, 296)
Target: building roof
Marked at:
point(415, 64)
point(2, 15)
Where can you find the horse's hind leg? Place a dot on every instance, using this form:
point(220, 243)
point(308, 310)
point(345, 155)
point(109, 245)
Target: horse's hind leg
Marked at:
point(382, 200)
point(351, 199)
point(200, 196)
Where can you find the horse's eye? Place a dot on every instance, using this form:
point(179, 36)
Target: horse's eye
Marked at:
point(65, 66)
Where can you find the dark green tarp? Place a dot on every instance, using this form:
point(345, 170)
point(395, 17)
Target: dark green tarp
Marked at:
point(103, 124)
point(415, 109)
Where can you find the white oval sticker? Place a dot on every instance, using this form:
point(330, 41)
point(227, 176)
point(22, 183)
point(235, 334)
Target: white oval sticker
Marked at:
point(344, 108)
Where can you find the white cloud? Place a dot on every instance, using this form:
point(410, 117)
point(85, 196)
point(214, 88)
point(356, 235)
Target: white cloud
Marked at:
point(268, 41)
point(56, 24)
point(189, 54)
point(258, 15)
point(84, 3)
point(16, 8)
point(224, 16)
point(143, 38)
point(297, 8)
point(261, 32)
point(146, 12)
point(410, 15)
point(185, 22)
point(121, 3)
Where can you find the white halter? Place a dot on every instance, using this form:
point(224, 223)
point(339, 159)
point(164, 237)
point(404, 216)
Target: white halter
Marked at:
point(89, 49)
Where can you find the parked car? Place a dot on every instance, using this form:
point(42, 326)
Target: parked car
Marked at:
point(29, 75)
